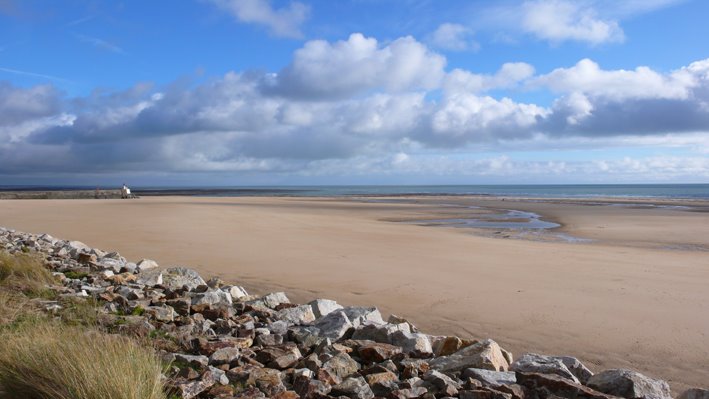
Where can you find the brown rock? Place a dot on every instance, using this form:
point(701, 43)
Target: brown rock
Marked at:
point(559, 386)
point(377, 352)
point(382, 377)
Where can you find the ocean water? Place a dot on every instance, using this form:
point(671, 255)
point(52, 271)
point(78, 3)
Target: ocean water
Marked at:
point(691, 191)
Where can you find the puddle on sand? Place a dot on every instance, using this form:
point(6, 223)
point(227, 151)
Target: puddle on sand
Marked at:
point(512, 219)
point(510, 224)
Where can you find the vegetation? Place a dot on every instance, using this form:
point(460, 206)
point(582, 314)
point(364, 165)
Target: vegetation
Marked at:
point(52, 360)
point(65, 355)
point(25, 273)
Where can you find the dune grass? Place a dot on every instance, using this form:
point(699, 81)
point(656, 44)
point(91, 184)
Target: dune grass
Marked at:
point(25, 273)
point(64, 355)
point(53, 360)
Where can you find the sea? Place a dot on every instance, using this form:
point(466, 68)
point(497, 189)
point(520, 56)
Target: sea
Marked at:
point(689, 191)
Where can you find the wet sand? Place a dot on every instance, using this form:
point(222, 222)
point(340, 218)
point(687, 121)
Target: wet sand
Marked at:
point(635, 297)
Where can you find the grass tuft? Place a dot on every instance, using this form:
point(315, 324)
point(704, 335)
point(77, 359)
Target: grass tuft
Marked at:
point(51, 360)
point(25, 273)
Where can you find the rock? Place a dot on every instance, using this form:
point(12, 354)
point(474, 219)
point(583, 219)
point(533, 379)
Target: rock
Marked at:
point(334, 326)
point(534, 363)
point(377, 352)
point(165, 314)
point(274, 299)
point(224, 356)
point(360, 315)
point(191, 389)
point(267, 380)
point(323, 307)
point(558, 386)
point(629, 384)
point(219, 375)
point(145, 264)
point(354, 388)
point(150, 278)
point(111, 264)
point(416, 344)
point(394, 319)
point(445, 346)
point(484, 355)
point(298, 315)
point(695, 393)
point(408, 393)
point(379, 333)
point(196, 361)
point(279, 357)
point(309, 388)
point(175, 278)
point(338, 367)
point(212, 298)
point(445, 384)
point(576, 368)
point(235, 291)
point(484, 394)
point(489, 377)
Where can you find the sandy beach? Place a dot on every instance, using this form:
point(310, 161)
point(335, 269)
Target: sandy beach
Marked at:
point(632, 292)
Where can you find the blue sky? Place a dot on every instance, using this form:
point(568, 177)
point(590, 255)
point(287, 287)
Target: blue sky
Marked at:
point(229, 92)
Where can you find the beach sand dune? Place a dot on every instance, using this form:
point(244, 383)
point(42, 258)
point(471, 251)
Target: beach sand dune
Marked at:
point(635, 297)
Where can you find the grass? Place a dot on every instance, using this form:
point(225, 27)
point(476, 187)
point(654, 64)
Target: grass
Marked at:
point(53, 360)
point(75, 275)
point(65, 355)
point(25, 273)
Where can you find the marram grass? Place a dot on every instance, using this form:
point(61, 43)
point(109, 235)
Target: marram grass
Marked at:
point(52, 360)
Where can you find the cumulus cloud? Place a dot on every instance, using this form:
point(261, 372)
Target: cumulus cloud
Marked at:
point(284, 22)
point(509, 75)
point(561, 20)
point(588, 78)
point(453, 37)
point(356, 103)
point(321, 69)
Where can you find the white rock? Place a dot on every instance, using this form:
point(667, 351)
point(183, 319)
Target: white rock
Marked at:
point(145, 264)
point(323, 307)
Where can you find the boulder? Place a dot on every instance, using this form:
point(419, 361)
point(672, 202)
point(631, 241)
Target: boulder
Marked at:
point(224, 356)
point(298, 315)
point(177, 277)
point(354, 388)
point(267, 380)
point(337, 368)
point(274, 299)
point(334, 326)
point(379, 333)
point(377, 352)
point(323, 307)
point(483, 355)
point(576, 368)
point(145, 264)
point(558, 386)
point(629, 384)
point(416, 344)
point(235, 291)
point(360, 315)
point(212, 298)
point(490, 377)
point(534, 363)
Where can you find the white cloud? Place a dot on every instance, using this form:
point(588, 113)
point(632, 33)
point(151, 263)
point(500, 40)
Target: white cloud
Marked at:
point(561, 20)
point(453, 37)
point(588, 78)
point(508, 76)
point(325, 70)
point(284, 22)
point(359, 106)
